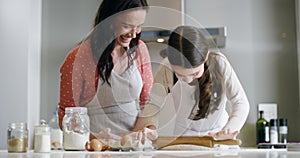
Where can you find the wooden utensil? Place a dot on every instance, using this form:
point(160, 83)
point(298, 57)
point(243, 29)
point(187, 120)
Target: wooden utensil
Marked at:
point(208, 141)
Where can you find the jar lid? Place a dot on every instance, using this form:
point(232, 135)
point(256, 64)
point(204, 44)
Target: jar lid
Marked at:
point(282, 122)
point(80, 110)
point(55, 112)
point(42, 127)
point(273, 122)
point(22, 125)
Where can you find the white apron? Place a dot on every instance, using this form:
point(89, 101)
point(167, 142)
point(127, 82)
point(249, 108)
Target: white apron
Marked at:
point(116, 106)
point(184, 102)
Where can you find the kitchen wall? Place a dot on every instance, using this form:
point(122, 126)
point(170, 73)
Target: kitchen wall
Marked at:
point(20, 30)
point(261, 45)
point(298, 34)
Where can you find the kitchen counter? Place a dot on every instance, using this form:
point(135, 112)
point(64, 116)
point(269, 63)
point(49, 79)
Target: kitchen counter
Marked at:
point(236, 153)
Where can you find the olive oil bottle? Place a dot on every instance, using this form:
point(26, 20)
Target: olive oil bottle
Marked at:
point(262, 129)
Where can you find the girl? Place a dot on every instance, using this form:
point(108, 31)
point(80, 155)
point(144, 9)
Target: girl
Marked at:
point(201, 82)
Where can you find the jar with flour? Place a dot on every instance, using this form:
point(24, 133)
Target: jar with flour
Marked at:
point(42, 141)
point(76, 128)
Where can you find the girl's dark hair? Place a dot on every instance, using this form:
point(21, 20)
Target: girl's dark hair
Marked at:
point(103, 38)
point(188, 47)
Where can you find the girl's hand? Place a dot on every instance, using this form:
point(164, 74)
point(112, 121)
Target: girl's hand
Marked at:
point(224, 134)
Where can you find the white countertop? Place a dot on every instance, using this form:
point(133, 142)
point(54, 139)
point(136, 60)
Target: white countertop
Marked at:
point(237, 153)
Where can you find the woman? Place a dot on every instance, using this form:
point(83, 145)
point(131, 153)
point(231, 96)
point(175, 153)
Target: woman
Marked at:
point(202, 83)
point(110, 72)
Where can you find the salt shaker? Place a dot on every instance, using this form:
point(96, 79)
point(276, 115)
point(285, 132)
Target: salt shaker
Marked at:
point(42, 139)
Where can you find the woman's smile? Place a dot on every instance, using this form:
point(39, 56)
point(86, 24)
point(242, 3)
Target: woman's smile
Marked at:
point(123, 40)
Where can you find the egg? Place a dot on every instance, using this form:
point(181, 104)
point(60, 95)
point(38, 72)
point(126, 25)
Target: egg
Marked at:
point(94, 145)
point(87, 146)
point(125, 139)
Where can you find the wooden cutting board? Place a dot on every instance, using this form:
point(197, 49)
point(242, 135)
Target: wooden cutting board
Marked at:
point(207, 141)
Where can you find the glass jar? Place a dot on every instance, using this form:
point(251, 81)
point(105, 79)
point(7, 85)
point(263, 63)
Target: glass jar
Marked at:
point(56, 132)
point(76, 128)
point(42, 139)
point(17, 137)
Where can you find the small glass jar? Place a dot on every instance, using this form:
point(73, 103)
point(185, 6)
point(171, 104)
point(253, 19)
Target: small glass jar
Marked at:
point(76, 128)
point(42, 141)
point(17, 137)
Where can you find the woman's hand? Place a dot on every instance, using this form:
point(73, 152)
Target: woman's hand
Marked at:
point(145, 133)
point(105, 134)
point(224, 134)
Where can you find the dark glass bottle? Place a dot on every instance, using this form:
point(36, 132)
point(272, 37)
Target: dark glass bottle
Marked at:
point(262, 129)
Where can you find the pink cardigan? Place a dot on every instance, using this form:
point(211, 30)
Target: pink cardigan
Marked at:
point(79, 76)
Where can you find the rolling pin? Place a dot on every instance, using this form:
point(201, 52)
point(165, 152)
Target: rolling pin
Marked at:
point(207, 141)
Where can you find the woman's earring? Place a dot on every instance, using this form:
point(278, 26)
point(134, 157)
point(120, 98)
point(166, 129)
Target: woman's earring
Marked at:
point(215, 96)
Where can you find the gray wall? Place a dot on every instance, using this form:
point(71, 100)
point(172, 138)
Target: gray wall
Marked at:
point(298, 35)
point(65, 23)
point(20, 26)
point(261, 46)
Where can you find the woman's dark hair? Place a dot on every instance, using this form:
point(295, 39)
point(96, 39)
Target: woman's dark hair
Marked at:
point(188, 47)
point(103, 38)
